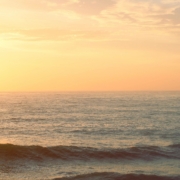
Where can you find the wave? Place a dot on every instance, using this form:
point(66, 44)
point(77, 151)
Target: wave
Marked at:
point(175, 146)
point(14, 152)
point(117, 176)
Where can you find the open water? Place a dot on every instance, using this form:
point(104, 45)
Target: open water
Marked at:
point(90, 136)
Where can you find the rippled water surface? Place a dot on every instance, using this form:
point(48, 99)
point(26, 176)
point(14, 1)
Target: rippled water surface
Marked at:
point(112, 135)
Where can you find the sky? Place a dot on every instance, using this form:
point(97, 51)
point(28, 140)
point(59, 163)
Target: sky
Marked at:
point(89, 45)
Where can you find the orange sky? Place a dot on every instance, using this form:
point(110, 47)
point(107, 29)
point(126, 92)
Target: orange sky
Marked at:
point(89, 45)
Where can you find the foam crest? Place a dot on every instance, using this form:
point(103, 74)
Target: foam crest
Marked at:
point(117, 176)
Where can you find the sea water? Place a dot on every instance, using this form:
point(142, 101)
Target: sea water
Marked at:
point(90, 135)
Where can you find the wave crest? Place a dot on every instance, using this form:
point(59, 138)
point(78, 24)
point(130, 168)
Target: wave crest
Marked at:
point(10, 151)
point(117, 176)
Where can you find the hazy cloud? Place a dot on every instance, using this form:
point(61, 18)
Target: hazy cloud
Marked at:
point(103, 18)
point(173, 17)
point(144, 14)
point(91, 7)
point(79, 6)
point(52, 34)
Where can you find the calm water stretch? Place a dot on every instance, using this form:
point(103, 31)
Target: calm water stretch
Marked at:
point(90, 136)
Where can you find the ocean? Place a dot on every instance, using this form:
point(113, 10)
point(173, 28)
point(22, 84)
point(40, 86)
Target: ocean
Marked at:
point(90, 136)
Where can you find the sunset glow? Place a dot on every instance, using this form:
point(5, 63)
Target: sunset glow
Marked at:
point(89, 45)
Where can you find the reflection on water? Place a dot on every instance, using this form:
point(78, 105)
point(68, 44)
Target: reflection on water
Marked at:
point(67, 134)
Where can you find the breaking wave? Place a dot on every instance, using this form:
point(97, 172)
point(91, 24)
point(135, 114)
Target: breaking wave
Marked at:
point(117, 176)
point(15, 152)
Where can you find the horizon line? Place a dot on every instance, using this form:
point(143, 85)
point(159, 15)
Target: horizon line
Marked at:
point(88, 91)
